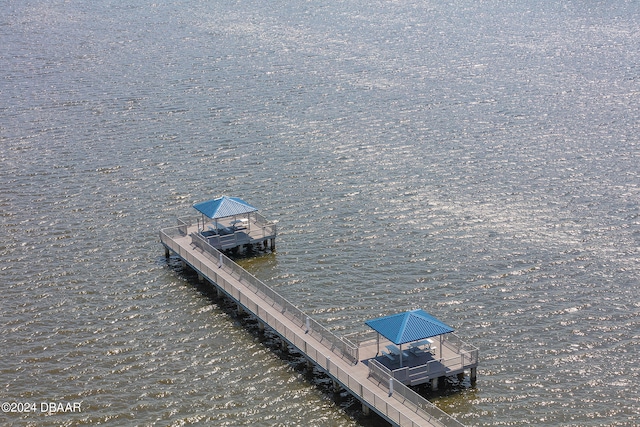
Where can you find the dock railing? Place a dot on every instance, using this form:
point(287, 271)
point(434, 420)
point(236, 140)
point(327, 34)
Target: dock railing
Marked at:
point(341, 346)
point(268, 227)
point(183, 225)
point(455, 343)
point(401, 392)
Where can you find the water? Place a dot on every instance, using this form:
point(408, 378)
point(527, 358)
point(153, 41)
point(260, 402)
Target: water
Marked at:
point(475, 159)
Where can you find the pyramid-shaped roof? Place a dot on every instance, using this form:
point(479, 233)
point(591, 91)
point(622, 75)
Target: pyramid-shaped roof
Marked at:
point(410, 326)
point(223, 207)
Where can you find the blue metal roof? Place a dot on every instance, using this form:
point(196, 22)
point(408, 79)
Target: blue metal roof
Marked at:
point(410, 326)
point(224, 207)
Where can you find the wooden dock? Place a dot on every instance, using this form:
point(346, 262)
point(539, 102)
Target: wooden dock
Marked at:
point(227, 234)
point(354, 366)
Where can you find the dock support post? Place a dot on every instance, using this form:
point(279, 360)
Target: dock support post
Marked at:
point(434, 383)
point(473, 375)
point(365, 410)
point(200, 278)
point(260, 327)
point(167, 252)
point(273, 245)
point(336, 386)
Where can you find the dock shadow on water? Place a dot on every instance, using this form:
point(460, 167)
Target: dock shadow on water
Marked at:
point(448, 387)
point(299, 365)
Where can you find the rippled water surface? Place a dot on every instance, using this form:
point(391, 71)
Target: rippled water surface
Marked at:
point(478, 160)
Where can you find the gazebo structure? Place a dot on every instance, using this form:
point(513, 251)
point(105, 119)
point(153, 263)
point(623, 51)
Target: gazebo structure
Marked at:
point(414, 347)
point(225, 207)
point(229, 223)
point(416, 326)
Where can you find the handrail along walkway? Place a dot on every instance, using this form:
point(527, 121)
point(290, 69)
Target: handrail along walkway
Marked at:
point(312, 339)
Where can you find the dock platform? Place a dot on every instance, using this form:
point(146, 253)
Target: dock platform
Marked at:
point(351, 362)
point(227, 234)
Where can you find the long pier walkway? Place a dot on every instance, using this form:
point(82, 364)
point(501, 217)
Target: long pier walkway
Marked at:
point(337, 356)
